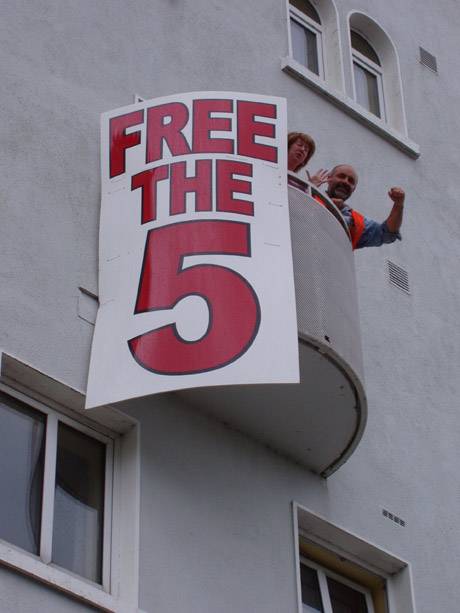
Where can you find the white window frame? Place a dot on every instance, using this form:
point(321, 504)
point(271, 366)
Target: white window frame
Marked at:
point(395, 571)
point(376, 70)
point(323, 574)
point(49, 483)
point(307, 23)
point(119, 589)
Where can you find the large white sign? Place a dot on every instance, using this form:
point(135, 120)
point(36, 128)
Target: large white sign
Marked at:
point(195, 267)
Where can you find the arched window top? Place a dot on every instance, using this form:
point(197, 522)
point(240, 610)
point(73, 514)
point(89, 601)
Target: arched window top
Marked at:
point(376, 72)
point(305, 7)
point(360, 44)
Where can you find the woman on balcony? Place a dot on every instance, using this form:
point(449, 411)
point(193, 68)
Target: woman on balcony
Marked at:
point(301, 148)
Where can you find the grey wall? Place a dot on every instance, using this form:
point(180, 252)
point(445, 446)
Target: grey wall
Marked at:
point(216, 525)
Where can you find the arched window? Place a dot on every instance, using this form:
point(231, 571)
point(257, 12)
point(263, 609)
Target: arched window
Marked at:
point(315, 53)
point(367, 73)
point(377, 85)
point(306, 36)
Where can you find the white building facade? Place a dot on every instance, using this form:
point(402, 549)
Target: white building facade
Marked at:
point(177, 502)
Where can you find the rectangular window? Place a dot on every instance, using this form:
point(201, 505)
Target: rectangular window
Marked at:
point(367, 88)
point(22, 441)
point(57, 473)
point(324, 591)
point(311, 593)
point(306, 40)
point(305, 46)
point(339, 572)
point(346, 598)
point(78, 524)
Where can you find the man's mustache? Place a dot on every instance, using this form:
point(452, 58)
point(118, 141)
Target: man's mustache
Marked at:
point(342, 186)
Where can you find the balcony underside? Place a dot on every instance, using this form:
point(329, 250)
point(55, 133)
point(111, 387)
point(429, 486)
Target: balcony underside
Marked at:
point(317, 423)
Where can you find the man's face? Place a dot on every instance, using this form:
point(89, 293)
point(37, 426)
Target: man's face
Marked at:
point(297, 154)
point(342, 182)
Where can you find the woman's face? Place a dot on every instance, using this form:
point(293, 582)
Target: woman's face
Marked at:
point(297, 154)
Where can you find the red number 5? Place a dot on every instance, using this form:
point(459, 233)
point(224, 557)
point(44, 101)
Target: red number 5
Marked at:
point(234, 311)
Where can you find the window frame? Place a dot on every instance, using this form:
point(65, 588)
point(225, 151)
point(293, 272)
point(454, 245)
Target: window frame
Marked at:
point(367, 64)
point(40, 567)
point(49, 484)
point(317, 29)
point(323, 573)
point(308, 525)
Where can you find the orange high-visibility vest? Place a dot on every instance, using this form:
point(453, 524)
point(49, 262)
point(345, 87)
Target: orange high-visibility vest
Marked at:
point(356, 227)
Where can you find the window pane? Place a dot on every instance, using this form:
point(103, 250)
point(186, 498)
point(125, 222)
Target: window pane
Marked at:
point(311, 595)
point(304, 46)
point(22, 441)
point(307, 8)
point(79, 503)
point(367, 92)
point(345, 599)
point(359, 43)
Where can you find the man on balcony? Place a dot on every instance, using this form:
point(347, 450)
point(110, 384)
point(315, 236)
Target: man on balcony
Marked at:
point(365, 232)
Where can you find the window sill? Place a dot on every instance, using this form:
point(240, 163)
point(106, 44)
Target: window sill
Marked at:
point(349, 106)
point(32, 567)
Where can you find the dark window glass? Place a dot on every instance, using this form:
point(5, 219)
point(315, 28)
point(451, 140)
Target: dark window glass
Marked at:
point(304, 46)
point(79, 503)
point(311, 595)
point(345, 599)
point(22, 444)
point(359, 43)
point(367, 93)
point(307, 8)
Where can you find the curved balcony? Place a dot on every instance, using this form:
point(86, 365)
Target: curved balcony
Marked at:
point(319, 422)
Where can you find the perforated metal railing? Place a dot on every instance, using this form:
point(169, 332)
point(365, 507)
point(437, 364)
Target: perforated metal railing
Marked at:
point(318, 197)
point(324, 276)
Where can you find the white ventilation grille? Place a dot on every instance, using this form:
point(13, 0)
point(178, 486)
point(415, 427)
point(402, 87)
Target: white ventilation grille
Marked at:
point(428, 60)
point(398, 276)
point(393, 517)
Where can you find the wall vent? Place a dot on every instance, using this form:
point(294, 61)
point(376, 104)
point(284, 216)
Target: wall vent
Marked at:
point(398, 276)
point(428, 60)
point(394, 518)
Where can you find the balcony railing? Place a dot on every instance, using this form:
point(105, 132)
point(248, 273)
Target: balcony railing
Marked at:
point(319, 422)
point(319, 197)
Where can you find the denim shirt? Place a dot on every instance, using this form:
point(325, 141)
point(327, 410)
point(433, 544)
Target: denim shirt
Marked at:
point(375, 234)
